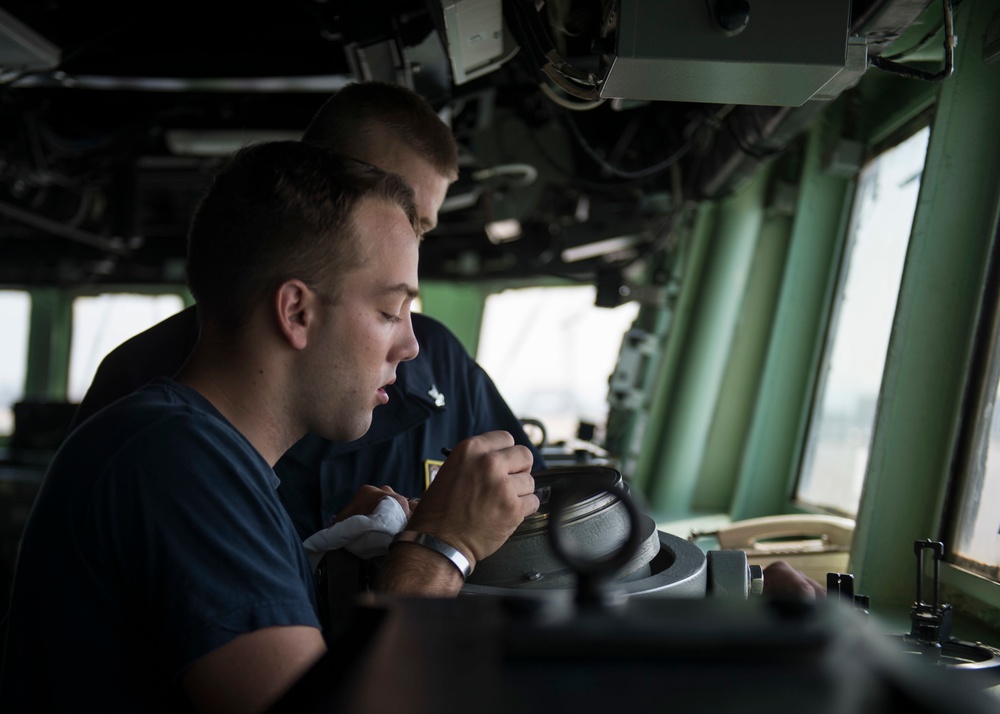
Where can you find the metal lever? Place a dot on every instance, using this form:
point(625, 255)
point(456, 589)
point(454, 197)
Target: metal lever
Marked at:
point(930, 622)
point(841, 585)
point(593, 575)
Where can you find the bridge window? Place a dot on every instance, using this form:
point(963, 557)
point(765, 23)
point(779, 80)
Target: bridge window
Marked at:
point(550, 351)
point(977, 528)
point(836, 454)
point(102, 322)
point(15, 313)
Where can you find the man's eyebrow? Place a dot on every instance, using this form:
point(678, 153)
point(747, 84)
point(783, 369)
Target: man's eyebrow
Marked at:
point(405, 288)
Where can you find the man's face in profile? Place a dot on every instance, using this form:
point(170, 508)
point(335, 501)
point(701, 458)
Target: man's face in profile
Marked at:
point(363, 335)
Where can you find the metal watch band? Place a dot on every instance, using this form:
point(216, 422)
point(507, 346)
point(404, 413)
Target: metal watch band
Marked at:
point(438, 546)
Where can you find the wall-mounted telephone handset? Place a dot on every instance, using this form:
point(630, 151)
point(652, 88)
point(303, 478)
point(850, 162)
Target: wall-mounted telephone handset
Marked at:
point(788, 534)
point(813, 544)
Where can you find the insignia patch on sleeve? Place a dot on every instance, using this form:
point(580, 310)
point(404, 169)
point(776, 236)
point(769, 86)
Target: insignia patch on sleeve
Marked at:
point(430, 471)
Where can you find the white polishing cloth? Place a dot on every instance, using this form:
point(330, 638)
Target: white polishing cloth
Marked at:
point(364, 536)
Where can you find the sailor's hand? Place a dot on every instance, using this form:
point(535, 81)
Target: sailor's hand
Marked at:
point(479, 496)
point(366, 500)
point(781, 580)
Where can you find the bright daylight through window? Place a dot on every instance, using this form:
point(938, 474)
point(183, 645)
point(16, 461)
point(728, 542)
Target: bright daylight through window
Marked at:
point(977, 528)
point(840, 431)
point(103, 322)
point(551, 352)
point(15, 311)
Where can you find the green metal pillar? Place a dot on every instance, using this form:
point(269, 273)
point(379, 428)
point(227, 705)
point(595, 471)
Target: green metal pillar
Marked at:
point(772, 450)
point(707, 346)
point(738, 392)
point(640, 459)
point(49, 335)
point(627, 426)
point(929, 351)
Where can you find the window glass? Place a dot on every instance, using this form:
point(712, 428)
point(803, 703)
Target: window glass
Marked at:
point(836, 453)
point(103, 322)
point(977, 533)
point(15, 313)
point(550, 352)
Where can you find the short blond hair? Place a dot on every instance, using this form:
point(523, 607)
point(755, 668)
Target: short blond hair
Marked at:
point(347, 121)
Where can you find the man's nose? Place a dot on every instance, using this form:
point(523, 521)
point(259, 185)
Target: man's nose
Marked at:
point(408, 347)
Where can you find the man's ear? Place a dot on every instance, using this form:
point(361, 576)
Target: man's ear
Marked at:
point(295, 309)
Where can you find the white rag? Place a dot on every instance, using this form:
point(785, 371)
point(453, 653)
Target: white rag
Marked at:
point(364, 536)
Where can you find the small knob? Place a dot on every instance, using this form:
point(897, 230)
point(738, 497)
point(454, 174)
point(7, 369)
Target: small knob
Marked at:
point(731, 15)
point(755, 574)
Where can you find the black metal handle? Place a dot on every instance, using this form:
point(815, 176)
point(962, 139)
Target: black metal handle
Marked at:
point(593, 574)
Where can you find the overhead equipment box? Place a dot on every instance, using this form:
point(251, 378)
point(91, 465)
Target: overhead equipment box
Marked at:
point(782, 55)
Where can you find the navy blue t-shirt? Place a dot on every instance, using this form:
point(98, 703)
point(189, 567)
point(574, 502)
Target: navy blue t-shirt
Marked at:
point(156, 538)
